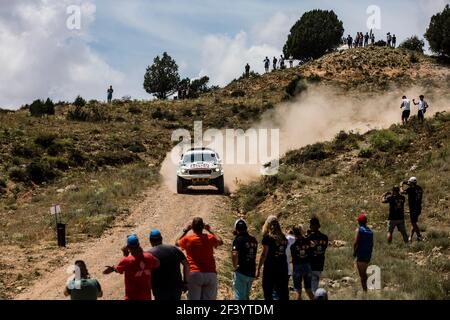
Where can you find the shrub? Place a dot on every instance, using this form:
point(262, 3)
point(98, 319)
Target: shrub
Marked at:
point(134, 110)
point(413, 58)
point(316, 33)
point(238, 93)
point(26, 151)
point(40, 171)
point(77, 114)
point(18, 174)
point(383, 140)
point(97, 114)
point(45, 140)
point(136, 147)
point(295, 86)
point(380, 43)
point(39, 108)
point(114, 158)
point(79, 102)
point(310, 152)
point(161, 115)
point(413, 44)
point(314, 78)
point(77, 158)
point(366, 153)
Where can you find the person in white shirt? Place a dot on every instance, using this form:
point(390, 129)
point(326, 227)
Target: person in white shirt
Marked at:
point(291, 239)
point(423, 106)
point(406, 108)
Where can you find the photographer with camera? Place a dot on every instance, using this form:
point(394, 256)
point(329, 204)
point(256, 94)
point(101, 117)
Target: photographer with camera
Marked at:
point(396, 213)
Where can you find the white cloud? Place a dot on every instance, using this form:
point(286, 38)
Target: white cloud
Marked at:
point(224, 57)
point(41, 57)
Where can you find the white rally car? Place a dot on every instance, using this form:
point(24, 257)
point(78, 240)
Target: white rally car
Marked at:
point(200, 167)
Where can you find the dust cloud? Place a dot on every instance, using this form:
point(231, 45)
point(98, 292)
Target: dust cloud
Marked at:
point(317, 115)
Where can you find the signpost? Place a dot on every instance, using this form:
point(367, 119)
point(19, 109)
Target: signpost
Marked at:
point(60, 227)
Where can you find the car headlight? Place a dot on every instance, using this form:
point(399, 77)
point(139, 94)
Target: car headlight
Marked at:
point(183, 171)
point(217, 169)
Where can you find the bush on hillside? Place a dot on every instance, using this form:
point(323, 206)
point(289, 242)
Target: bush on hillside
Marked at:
point(117, 158)
point(40, 108)
point(27, 151)
point(316, 33)
point(438, 32)
point(45, 140)
point(40, 171)
point(79, 102)
point(413, 44)
point(310, 152)
point(295, 86)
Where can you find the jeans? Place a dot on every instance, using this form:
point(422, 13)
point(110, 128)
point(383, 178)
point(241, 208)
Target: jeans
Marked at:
point(202, 286)
point(315, 280)
point(242, 285)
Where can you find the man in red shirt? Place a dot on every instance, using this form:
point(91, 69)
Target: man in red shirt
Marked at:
point(137, 266)
point(199, 247)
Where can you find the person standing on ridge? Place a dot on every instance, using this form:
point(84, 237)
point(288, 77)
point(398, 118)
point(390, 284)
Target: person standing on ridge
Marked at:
point(396, 213)
point(199, 247)
point(415, 194)
point(406, 109)
point(319, 244)
point(362, 249)
point(350, 41)
point(273, 258)
point(244, 261)
point(110, 94)
point(82, 286)
point(291, 61)
point(167, 282)
point(266, 64)
point(388, 39)
point(137, 266)
point(247, 70)
point(423, 106)
point(366, 40)
point(394, 41)
point(275, 60)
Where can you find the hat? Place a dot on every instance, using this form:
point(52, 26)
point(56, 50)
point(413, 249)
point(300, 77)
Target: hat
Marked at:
point(132, 241)
point(321, 294)
point(362, 218)
point(240, 224)
point(412, 180)
point(155, 234)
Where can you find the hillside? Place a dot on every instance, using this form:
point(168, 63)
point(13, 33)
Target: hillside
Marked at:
point(338, 180)
point(97, 169)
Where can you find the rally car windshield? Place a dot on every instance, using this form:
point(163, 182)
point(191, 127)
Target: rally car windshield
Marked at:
point(196, 157)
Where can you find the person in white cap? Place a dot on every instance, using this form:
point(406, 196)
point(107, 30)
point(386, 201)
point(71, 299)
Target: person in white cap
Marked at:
point(415, 194)
point(321, 294)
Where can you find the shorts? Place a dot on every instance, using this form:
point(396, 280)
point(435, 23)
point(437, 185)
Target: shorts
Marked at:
point(421, 115)
point(400, 224)
point(363, 259)
point(302, 273)
point(406, 114)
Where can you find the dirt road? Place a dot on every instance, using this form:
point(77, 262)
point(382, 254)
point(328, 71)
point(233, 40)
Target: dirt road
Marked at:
point(161, 209)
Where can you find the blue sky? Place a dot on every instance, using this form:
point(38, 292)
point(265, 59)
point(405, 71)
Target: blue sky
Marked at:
point(118, 39)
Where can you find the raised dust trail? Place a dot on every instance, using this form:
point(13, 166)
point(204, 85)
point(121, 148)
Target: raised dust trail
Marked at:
point(318, 115)
point(160, 209)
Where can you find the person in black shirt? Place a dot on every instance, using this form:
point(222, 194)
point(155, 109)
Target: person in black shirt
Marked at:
point(301, 252)
point(415, 193)
point(244, 261)
point(319, 244)
point(167, 282)
point(396, 213)
point(273, 257)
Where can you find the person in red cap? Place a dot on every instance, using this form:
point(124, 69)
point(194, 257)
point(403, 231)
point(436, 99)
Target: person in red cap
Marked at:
point(362, 249)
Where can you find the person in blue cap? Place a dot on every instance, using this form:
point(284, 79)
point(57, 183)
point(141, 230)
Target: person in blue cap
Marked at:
point(137, 266)
point(167, 282)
